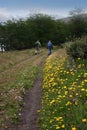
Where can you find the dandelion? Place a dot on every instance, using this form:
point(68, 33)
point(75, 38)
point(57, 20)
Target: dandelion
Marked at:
point(68, 103)
point(51, 121)
point(85, 80)
point(38, 111)
point(77, 94)
point(85, 75)
point(82, 89)
point(70, 96)
point(63, 126)
point(57, 127)
point(79, 58)
point(76, 103)
point(73, 128)
point(84, 120)
point(79, 66)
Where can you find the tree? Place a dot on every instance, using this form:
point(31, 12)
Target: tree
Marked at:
point(78, 23)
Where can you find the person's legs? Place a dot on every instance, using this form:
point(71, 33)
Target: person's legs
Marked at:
point(37, 50)
point(49, 51)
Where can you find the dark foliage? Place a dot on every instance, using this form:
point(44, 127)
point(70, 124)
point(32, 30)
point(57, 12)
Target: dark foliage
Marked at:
point(22, 34)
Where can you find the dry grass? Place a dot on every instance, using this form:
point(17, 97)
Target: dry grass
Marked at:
point(17, 72)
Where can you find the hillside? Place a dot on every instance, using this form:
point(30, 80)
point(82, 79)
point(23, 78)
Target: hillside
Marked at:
point(67, 19)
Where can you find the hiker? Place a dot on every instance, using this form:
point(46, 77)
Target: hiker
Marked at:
point(49, 47)
point(37, 47)
point(2, 47)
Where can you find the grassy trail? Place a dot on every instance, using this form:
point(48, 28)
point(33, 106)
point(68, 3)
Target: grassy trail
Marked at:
point(16, 64)
point(17, 68)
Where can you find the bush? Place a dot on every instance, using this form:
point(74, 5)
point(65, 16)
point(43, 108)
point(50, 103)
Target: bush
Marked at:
point(77, 49)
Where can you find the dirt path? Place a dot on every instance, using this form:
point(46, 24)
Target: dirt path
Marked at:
point(29, 115)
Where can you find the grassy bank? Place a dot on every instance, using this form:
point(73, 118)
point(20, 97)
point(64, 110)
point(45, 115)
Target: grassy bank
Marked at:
point(64, 103)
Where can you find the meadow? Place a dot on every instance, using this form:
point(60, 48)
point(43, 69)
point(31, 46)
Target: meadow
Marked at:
point(64, 89)
point(18, 69)
point(64, 102)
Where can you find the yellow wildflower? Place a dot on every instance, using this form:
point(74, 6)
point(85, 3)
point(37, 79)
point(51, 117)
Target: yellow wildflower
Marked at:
point(63, 126)
point(84, 120)
point(73, 128)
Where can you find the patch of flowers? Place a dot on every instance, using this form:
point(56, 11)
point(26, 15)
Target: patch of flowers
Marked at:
point(64, 102)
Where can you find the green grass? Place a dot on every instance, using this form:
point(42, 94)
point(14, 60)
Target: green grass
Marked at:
point(18, 71)
point(12, 94)
point(64, 103)
point(9, 59)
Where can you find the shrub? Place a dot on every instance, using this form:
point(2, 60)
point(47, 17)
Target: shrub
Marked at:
point(77, 49)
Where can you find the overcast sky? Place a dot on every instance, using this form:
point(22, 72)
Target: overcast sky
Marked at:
point(24, 8)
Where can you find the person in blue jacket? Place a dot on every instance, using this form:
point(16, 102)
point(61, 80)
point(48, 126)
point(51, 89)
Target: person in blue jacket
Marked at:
point(49, 47)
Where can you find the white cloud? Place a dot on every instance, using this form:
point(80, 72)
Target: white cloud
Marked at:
point(6, 14)
point(57, 13)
